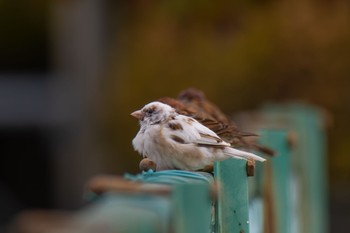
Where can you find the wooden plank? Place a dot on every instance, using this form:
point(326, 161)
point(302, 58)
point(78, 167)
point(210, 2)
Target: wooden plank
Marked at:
point(232, 205)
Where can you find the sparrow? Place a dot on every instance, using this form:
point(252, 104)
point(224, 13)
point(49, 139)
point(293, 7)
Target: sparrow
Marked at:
point(192, 102)
point(177, 141)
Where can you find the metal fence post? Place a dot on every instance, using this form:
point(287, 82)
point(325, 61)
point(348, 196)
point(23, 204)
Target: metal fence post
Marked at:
point(192, 206)
point(308, 161)
point(232, 206)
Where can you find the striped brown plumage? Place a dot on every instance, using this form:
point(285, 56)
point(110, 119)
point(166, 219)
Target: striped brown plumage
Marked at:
point(192, 102)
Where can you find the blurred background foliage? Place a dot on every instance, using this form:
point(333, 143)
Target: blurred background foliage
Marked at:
point(240, 53)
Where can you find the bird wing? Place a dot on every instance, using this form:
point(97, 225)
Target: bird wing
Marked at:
point(187, 130)
point(205, 113)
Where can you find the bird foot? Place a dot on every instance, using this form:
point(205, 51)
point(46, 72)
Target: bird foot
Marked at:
point(147, 164)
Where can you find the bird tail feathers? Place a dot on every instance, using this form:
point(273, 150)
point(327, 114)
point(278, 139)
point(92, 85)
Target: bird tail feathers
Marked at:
point(242, 154)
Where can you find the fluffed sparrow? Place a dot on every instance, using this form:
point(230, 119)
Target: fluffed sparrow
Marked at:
point(176, 141)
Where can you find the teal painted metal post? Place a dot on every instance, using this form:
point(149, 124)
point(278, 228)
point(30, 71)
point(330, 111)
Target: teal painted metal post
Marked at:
point(280, 179)
point(232, 205)
point(124, 213)
point(192, 205)
point(312, 163)
point(308, 163)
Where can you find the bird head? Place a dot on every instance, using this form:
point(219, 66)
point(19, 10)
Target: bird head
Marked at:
point(191, 94)
point(153, 113)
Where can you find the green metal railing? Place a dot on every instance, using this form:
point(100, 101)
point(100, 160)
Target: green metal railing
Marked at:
point(299, 174)
point(287, 195)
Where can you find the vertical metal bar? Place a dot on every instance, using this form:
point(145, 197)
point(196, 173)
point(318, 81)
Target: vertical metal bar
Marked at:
point(232, 204)
point(278, 181)
point(312, 164)
point(192, 205)
point(309, 176)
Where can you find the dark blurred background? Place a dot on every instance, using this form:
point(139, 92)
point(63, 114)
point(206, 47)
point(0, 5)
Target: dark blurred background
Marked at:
point(72, 71)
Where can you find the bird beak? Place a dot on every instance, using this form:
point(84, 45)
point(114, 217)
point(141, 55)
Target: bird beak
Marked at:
point(138, 114)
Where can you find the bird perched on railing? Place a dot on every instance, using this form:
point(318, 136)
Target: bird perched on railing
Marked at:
point(176, 141)
point(193, 103)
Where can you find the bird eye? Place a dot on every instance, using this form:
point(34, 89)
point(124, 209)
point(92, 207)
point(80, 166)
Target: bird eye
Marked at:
point(150, 111)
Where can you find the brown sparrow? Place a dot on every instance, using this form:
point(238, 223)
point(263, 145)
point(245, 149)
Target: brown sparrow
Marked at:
point(177, 141)
point(192, 102)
